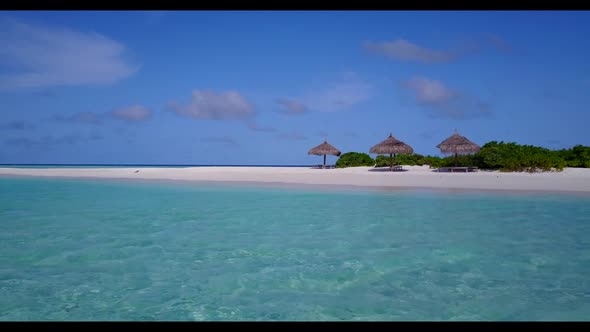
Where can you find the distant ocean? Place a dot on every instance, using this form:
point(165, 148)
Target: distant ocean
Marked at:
point(73, 249)
point(131, 166)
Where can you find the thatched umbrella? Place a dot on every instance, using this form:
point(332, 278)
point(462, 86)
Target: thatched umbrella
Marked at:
point(458, 144)
point(324, 149)
point(392, 146)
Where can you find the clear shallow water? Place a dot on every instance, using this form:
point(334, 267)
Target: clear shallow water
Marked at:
point(106, 250)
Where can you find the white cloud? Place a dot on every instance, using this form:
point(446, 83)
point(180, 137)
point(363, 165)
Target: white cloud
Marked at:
point(401, 49)
point(500, 44)
point(294, 136)
point(43, 56)
point(341, 95)
point(80, 117)
point(445, 102)
point(430, 92)
point(132, 113)
point(255, 127)
point(209, 105)
point(25, 142)
point(155, 16)
point(46, 142)
point(292, 106)
point(16, 125)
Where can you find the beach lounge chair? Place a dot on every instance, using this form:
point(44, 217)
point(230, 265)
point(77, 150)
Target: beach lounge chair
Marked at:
point(457, 169)
point(323, 166)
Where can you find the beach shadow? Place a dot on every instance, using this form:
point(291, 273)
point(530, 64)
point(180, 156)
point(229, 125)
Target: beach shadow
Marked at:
point(386, 169)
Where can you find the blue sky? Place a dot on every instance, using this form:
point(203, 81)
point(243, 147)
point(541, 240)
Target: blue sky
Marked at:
point(248, 87)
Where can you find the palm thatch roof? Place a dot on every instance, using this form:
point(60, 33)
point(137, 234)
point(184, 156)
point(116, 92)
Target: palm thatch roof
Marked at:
point(392, 146)
point(324, 149)
point(457, 144)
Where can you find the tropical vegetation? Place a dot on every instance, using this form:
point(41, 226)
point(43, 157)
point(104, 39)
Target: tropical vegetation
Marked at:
point(508, 157)
point(354, 159)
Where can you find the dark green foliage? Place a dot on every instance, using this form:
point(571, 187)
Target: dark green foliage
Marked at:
point(514, 157)
point(509, 157)
point(433, 161)
point(578, 156)
point(400, 159)
point(463, 161)
point(354, 159)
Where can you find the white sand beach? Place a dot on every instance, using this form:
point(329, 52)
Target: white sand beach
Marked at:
point(570, 179)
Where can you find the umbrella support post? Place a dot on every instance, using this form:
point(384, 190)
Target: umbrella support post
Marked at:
point(391, 162)
point(324, 161)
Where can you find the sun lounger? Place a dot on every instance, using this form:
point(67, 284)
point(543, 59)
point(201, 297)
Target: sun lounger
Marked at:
point(322, 166)
point(457, 169)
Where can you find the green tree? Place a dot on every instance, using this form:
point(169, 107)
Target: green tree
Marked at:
point(354, 159)
point(400, 159)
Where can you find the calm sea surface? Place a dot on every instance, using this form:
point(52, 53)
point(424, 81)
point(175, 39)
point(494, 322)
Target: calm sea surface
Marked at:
point(130, 166)
point(111, 250)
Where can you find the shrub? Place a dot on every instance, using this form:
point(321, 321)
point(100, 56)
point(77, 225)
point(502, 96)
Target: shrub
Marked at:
point(508, 157)
point(400, 159)
point(514, 157)
point(383, 161)
point(578, 156)
point(433, 161)
point(354, 159)
point(468, 160)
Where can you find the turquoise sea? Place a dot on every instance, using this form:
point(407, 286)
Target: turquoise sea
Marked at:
point(121, 250)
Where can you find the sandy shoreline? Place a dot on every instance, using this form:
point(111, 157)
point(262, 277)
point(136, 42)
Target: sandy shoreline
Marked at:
point(570, 180)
